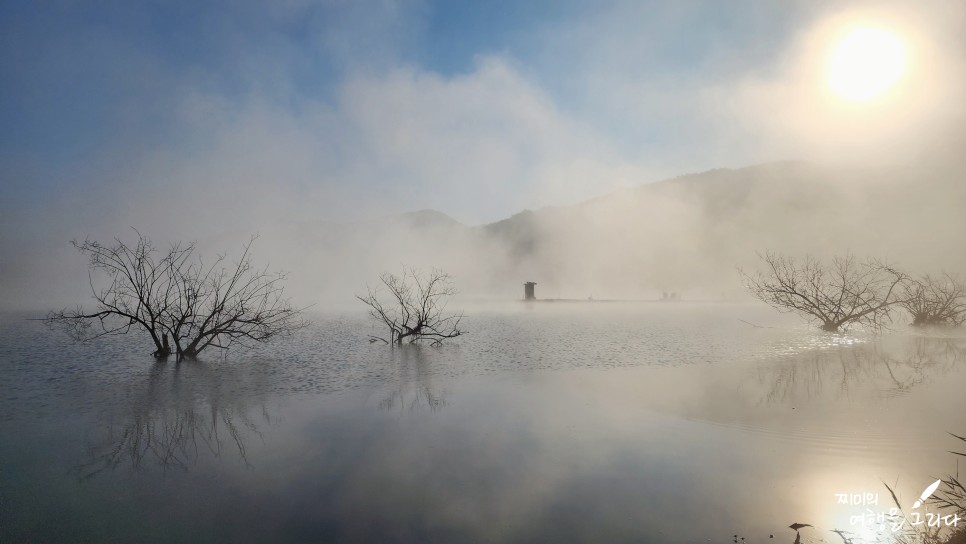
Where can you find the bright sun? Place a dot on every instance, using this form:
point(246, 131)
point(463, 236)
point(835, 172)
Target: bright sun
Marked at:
point(866, 63)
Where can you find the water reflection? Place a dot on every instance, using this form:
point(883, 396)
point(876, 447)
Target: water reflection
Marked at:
point(890, 368)
point(671, 429)
point(414, 386)
point(179, 416)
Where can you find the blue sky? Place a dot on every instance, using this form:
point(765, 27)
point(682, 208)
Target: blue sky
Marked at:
point(68, 65)
point(337, 110)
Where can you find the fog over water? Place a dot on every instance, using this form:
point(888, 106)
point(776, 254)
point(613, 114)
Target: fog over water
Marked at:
point(629, 157)
point(619, 424)
point(320, 145)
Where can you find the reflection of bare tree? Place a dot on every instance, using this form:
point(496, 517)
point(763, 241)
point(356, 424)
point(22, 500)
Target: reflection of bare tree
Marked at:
point(176, 421)
point(880, 367)
point(413, 388)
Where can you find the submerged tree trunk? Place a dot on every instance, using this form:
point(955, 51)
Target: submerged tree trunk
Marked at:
point(164, 349)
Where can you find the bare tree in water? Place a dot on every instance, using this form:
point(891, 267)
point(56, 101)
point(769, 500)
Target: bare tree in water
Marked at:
point(174, 294)
point(935, 300)
point(845, 292)
point(415, 307)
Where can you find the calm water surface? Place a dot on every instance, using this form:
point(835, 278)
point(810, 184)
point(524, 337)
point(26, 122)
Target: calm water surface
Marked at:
point(554, 422)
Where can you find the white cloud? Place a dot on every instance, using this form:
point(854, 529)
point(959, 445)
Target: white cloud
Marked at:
point(480, 146)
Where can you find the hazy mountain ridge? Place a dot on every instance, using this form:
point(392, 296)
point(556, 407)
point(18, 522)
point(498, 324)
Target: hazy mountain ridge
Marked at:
point(684, 234)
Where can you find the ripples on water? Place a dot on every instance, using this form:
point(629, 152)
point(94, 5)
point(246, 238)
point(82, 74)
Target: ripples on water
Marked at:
point(595, 409)
point(333, 353)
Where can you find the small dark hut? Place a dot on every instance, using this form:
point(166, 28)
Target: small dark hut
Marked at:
point(528, 291)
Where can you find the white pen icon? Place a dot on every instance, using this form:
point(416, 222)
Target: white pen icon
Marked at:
point(925, 494)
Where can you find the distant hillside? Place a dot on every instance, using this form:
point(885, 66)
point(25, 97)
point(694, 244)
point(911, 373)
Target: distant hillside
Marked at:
point(689, 233)
point(685, 234)
point(426, 219)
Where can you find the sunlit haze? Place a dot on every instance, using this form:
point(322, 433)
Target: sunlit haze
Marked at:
point(490, 271)
point(866, 64)
point(310, 122)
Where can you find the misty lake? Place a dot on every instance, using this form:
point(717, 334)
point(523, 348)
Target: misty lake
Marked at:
point(550, 422)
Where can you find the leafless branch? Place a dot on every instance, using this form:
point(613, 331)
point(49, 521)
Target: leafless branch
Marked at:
point(932, 300)
point(836, 295)
point(174, 295)
point(416, 310)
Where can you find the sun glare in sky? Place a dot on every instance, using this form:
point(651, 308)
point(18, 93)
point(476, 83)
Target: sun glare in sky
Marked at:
point(866, 64)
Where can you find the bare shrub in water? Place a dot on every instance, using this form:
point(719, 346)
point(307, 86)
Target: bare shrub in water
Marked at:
point(415, 307)
point(845, 292)
point(174, 294)
point(935, 300)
